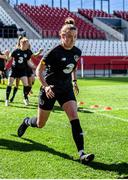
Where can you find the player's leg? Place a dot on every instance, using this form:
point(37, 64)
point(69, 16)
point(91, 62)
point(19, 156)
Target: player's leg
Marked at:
point(8, 90)
point(69, 105)
point(15, 89)
point(24, 80)
point(29, 75)
point(30, 83)
point(0, 76)
point(38, 121)
point(3, 77)
point(44, 109)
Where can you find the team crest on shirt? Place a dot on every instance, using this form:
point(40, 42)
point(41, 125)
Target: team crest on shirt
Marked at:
point(76, 57)
point(25, 55)
point(63, 59)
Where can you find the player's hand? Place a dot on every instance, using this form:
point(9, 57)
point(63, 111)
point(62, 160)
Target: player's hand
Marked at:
point(7, 52)
point(40, 51)
point(75, 88)
point(49, 92)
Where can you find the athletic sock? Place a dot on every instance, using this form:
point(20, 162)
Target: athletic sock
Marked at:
point(31, 121)
point(0, 78)
point(14, 92)
point(8, 91)
point(77, 135)
point(26, 91)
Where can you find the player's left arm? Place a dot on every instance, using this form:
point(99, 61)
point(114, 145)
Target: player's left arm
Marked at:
point(74, 80)
point(37, 53)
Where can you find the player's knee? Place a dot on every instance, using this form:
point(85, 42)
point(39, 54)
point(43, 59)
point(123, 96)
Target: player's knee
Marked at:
point(73, 115)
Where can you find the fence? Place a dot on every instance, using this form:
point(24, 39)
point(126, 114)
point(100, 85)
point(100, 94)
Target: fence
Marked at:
point(109, 69)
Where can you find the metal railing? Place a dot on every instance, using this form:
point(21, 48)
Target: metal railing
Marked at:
point(103, 70)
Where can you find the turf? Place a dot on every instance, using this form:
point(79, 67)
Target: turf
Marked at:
point(50, 153)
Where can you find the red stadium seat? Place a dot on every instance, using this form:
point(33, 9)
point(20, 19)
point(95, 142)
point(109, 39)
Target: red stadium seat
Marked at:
point(50, 20)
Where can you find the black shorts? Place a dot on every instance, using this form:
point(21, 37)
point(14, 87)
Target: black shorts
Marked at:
point(17, 73)
point(47, 104)
point(29, 72)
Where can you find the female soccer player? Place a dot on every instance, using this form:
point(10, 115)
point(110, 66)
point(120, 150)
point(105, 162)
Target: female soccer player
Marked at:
point(3, 58)
point(30, 74)
point(21, 58)
point(60, 64)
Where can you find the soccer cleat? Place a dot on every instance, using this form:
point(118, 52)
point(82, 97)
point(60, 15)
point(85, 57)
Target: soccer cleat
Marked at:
point(6, 103)
point(26, 102)
point(86, 158)
point(11, 100)
point(22, 128)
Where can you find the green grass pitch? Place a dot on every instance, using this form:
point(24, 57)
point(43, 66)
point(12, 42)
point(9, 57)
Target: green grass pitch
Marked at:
point(50, 153)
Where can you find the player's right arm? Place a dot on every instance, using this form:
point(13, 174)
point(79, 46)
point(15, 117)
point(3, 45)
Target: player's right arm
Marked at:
point(8, 55)
point(39, 73)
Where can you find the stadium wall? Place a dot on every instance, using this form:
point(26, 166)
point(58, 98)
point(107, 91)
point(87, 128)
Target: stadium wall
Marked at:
point(102, 65)
point(99, 57)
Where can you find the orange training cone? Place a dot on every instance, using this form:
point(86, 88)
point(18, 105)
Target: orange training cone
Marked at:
point(95, 106)
point(108, 108)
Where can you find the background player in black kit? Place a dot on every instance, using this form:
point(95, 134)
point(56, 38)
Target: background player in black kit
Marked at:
point(60, 64)
point(3, 59)
point(30, 73)
point(21, 58)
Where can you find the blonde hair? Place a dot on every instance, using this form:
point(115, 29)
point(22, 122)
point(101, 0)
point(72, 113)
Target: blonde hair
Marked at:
point(69, 20)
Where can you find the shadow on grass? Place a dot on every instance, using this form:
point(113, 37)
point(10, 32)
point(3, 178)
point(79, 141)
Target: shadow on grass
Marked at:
point(120, 168)
point(30, 106)
point(2, 87)
point(80, 109)
point(30, 145)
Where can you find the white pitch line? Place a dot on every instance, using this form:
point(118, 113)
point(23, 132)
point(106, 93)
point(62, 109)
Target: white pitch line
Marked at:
point(114, 117)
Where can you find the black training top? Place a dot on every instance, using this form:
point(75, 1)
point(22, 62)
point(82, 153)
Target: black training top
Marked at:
point(59, 65)
point(20, 58)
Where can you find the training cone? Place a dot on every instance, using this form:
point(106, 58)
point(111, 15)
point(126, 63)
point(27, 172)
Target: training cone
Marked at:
point(95, 106)
point(108, 108)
